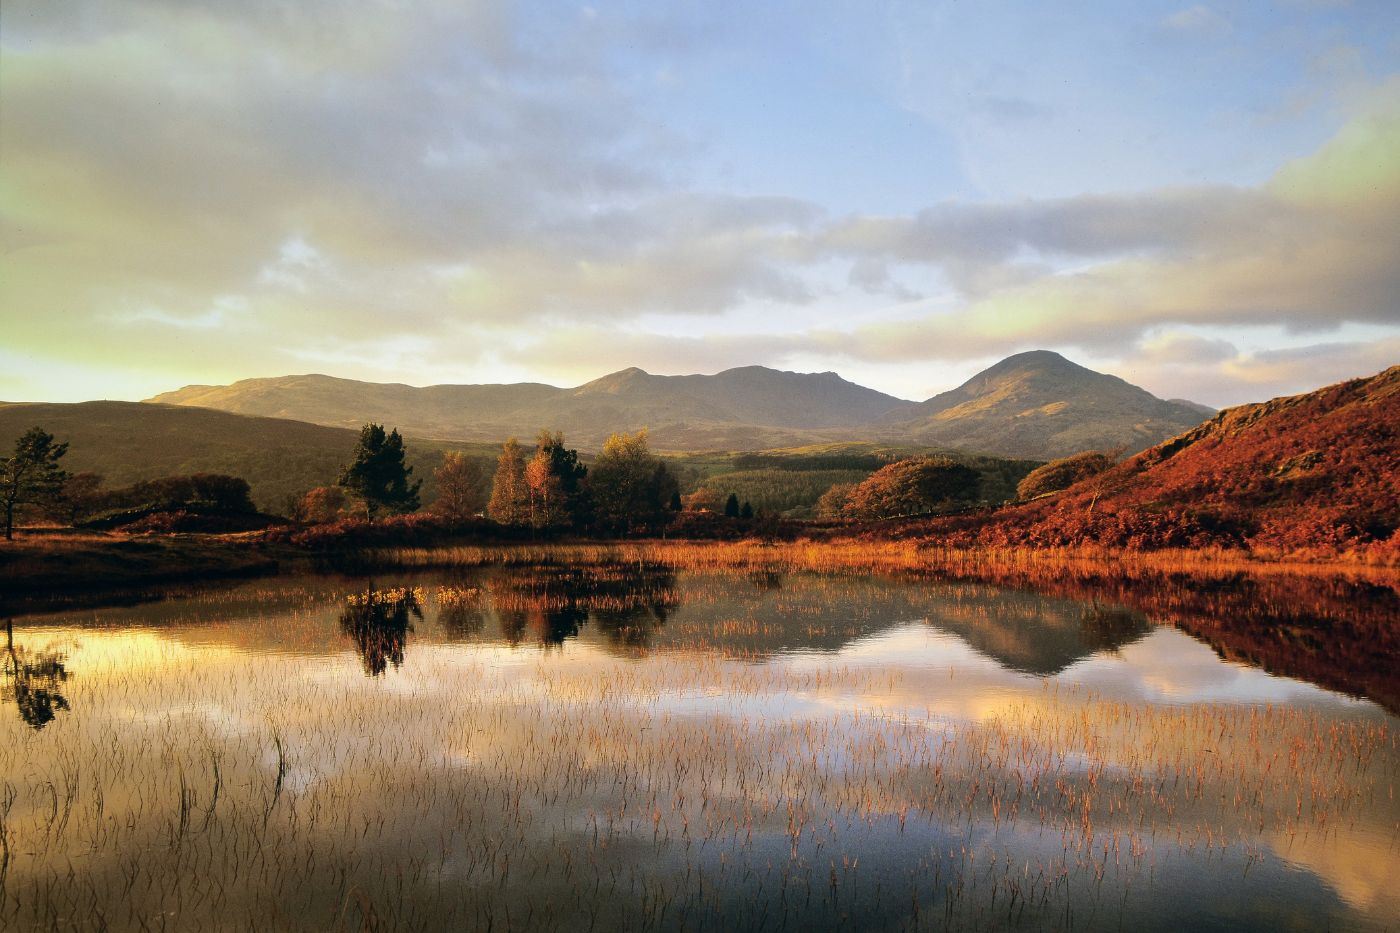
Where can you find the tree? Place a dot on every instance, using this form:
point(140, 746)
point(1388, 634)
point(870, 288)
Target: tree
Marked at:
point(32, 476)
point(377, 475)
point(460, 483)
point(322, 504)
point(510, 497)
point(82, 496)
point(569, 474)
point(1062, 474)
point(834, 501)
point(917, 486)
point(731, 506)
point(631, 488)
point(746, 511)
point(545, 492)
point(675, 504)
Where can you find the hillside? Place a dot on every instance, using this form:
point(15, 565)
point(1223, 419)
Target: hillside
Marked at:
point(130, 441)
point(748, 408)
point(1314, 471)
point(1040, 405)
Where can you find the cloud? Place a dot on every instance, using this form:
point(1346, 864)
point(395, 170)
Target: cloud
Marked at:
point(248, 187)
point(1216, 371)
point(1198, 20)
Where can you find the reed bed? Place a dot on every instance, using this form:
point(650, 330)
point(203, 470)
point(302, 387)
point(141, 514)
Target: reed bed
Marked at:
point(860, 556)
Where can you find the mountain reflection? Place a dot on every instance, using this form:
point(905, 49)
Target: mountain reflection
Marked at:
point(378, 621)
point(32, 681)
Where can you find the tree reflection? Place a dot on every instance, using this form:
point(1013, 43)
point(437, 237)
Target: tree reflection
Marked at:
point(32, 681)
point(632, 627)
point(379, 622)
point(548, 606)
point(461, 621)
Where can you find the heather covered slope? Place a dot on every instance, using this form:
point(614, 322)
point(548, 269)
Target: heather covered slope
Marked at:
point(1319, 471)
point(1040, 405)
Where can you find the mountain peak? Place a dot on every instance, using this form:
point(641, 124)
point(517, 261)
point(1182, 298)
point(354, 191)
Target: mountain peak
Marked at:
point(1039, 404)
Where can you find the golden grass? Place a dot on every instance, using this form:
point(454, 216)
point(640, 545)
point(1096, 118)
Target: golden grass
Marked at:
point(855, 556)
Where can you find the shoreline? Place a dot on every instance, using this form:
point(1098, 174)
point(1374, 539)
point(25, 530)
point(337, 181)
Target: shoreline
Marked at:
point(92, 563)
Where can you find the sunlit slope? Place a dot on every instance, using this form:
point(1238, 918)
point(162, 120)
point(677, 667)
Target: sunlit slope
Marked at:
point(1041, 405)
point(1319, 470)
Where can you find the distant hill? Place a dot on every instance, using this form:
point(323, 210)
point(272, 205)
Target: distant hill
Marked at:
point(748, 408)
point(1040, 405)
point(1319, 470)
point(131, 441)
point(1034, 405)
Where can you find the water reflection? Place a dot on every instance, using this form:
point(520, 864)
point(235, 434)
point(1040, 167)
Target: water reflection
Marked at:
point(655, 750)
point(627, 603)
point(32, 681)
point(378, 621)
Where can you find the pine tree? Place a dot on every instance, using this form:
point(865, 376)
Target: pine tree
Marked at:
point(377, 475)
point(731, 506)
point(32, 476)
point(746, 511)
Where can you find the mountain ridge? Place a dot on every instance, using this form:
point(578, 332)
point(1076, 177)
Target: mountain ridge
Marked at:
point(1034, 405)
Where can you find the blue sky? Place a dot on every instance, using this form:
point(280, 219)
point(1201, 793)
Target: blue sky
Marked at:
point(1202, 198)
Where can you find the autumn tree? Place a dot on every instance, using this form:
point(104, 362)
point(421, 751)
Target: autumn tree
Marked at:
point(834, 502)
point(1062, 474)
point(568, 478)
point(917, 486)
point(32, 475)
point(510, 496)
point(377, 475)
point(631, 488)
point(322, 504)
point(546, 493)
point(461, 493)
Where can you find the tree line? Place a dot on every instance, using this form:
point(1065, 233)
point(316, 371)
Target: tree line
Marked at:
point(625, 490)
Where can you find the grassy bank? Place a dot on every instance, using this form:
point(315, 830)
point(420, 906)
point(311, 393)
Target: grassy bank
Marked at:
point(49, 562)
point(39, 562)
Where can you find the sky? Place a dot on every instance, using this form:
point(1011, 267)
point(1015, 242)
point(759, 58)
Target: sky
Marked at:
point(1202, 198)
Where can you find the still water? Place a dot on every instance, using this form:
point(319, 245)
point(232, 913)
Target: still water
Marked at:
point(630, 748)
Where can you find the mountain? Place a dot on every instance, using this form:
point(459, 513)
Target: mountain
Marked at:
point(1041, 405)
point(1034, 405)
point(1313, 471)
point(747, 408)
point(130, 441)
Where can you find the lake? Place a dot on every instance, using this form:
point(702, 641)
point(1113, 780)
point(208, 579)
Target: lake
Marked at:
point(631, 747)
